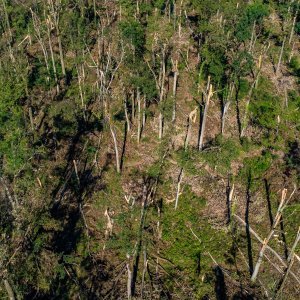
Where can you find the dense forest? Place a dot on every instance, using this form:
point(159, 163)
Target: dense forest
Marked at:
point(149, 149)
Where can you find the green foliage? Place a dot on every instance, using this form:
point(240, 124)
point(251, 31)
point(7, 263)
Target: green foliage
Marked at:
point(265, 107)
point(255, 167)
point(13, 138)
point(189, 253)
point(133, 33)
point(295, 65)
point(222, 153)
point(253, 13)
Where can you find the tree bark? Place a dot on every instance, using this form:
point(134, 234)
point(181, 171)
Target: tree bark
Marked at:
point(280, 57)
point(203, 125)
point(113, 133)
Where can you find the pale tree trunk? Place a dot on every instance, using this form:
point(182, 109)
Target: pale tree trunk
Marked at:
point(145, 265)
point(191, 119)
point(175, 67)
point(126, 115)
point(249, 96)
point(55, 16)
point(280, 57)
point(49, 28)
point(36, 24)
point(280, 209)
point(161, 96)
point(259, 239)
point(10, 33)
point(208, 95)
point(113, 133)
point(80, 79)
point(129, 280)
point(132, 106)
point(292, 52)
point(290, 261)
point(226, 108)
point(252, 37)
point(9, 290)
point(178, 187)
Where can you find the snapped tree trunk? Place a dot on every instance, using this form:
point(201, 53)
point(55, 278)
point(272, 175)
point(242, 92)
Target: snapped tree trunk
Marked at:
point(126, 115)
point(280, 57)
point(280, 209)
point(113, 133)
point(209, 93)
point(180, 176)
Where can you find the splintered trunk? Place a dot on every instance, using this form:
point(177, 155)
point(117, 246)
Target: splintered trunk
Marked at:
point(203, 124)
point(191, 119)
point(280, 57)
point(113, 133)
point(126, 115)
point(277, 219)
point(226, 107)
point(180, 176)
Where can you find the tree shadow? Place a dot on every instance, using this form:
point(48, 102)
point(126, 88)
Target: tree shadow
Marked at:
point(123, 147)
point(267, 188)
point(220, 286)
point(237, 108)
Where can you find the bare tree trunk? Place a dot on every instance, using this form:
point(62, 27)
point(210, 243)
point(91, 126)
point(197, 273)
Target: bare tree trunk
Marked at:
point(61, 55)
point(267, 247)
point(191, 119)
point(161, 96)
point(126, 115)
point(55, 15)
point(280, 57)
point(9, 290)
point(132, 106)
point(129, 280)
point(9, 42)
point(36, 24)
point(203, 125)
point(280, 209)
point(290, 261)
point(252, 37)
point(113, 133)
point(245, 119)
point(293, 25)
point(178, 187)
point(226, 107)
point(49, 25)
point(144, 273)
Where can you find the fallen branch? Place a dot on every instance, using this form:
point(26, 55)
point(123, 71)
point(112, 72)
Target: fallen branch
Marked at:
point(267, 247)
